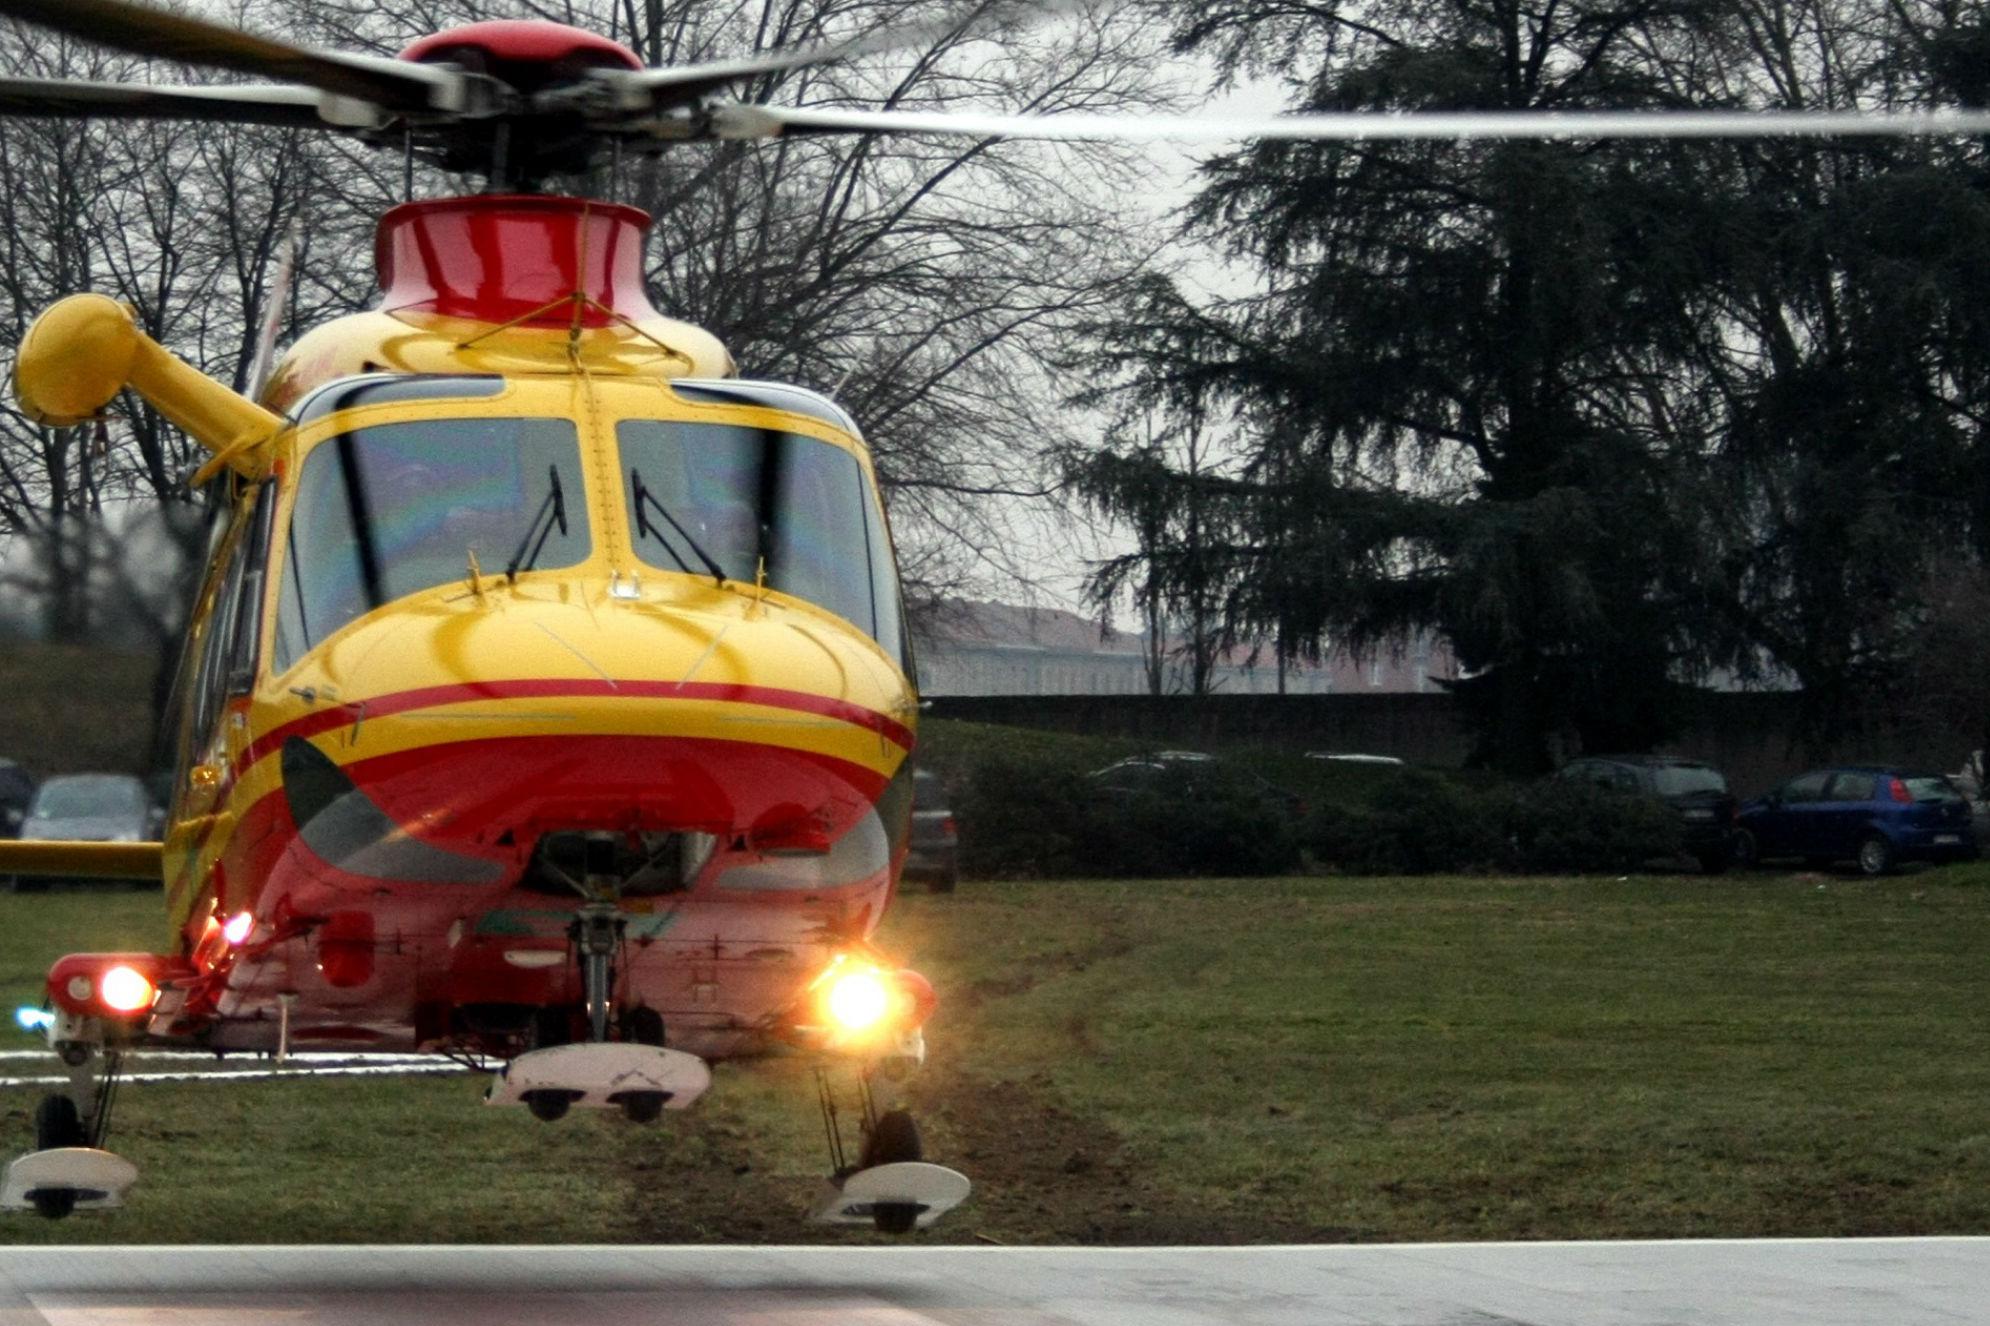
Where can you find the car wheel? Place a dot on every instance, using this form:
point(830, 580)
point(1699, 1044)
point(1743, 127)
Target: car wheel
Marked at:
point(945, 881)
point(1714, 861)
point(1875, 856)
point(1745, 851)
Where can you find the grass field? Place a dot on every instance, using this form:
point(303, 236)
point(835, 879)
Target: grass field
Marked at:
point(1214, 1061)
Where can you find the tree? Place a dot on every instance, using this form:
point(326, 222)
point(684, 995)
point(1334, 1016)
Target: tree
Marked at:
point(1606, 415)
point(1461, 372)
point(1186, 515)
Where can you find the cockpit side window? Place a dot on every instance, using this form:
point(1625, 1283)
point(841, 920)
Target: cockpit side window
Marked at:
point(389, 510)
point(740, 496)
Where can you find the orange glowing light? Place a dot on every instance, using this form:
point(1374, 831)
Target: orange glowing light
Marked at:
point(859, 1000)
point(125, 990)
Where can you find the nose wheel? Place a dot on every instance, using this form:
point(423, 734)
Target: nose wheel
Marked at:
point(69, 1170)
point(891, 1187)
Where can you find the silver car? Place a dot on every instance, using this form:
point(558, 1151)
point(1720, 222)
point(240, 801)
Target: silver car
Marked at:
point(94, 808)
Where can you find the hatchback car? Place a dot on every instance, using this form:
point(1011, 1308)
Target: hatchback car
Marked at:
point(17, 788)
point(1695, 792)
point(1874, 815)
point(933, 853)
point(94, 807)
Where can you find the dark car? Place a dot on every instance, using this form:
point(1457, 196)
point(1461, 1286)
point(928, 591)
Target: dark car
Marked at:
point(1188, 770)
point(1696, 792)
point(1874, 815)
point(17, 789)
point(933, 854)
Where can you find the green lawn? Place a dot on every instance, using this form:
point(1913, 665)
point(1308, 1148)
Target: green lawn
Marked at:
point(1218, 1061)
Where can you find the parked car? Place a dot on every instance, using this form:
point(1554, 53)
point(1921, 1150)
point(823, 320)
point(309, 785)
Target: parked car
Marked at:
point(1696, 792)
point(1186, 769)
point(933, 854)
point(1874, 815)
point(1179, 812)
point(92, 807)
point(17, 789)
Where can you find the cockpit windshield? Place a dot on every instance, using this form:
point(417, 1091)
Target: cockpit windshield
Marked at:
point(718, 499)
point(389, 510)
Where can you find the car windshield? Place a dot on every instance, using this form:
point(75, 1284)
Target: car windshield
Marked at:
point(386, 511)
point(89, 797)
point(1679, 780)
point(748, 498)
point(1931, 787)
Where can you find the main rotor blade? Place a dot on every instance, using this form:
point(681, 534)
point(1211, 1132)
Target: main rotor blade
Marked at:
point(746, 122)
point(394, 85)
point(280, 104)
point(680, 85)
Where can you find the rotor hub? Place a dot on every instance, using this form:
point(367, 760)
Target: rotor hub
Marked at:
point(527, 54)
point(523, 257)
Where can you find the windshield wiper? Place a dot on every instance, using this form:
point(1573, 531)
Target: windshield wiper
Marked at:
point(643, 526)
point(555, 505)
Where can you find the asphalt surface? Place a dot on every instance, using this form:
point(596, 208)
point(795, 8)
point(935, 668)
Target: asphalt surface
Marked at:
point(1875, 1282)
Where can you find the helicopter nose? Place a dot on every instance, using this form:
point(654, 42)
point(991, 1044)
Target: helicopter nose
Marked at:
point(484, 727)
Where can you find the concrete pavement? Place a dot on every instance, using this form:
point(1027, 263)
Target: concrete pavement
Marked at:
point(1867, 1282)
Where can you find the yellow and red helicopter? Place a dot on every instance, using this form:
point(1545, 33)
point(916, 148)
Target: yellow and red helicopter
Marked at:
point(549, 700)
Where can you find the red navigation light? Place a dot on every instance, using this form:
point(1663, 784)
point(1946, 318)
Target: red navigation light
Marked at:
point(113, 985)
point(917, 993)
point(238, 927)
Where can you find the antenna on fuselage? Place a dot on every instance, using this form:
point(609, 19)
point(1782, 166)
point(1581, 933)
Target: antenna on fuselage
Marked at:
point(278, 305)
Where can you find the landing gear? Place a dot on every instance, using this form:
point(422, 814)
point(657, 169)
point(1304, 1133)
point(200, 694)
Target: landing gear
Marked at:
point(640, 1106)
point(634, 1073)
point(57, 1124)
point(893, 1139)
point(890, 1188)
point(549, 1104)
point(597, 933)
point(69, 1170)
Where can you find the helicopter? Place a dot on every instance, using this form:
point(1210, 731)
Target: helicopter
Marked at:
point(549, 701)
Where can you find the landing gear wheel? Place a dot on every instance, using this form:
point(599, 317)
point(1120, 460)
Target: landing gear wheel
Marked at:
point(643, 1026)
point(548, 1106)
point(641, 1106)
point(57, 1124)
point(1875, 856)
point(895, 1217)
point(892, 1139)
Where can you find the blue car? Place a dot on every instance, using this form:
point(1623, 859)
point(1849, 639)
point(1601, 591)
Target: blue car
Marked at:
point(1873, 815)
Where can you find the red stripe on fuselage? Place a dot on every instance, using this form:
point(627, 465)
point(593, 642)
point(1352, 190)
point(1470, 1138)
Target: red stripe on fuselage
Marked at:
point(429, 697)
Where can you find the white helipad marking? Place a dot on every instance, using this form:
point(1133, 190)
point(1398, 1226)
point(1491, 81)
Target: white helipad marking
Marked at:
point(250, 1074)
point(1851, 1282)
point(209, 1056)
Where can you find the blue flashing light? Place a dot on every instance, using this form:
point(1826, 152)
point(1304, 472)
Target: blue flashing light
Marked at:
point(34, 1019)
